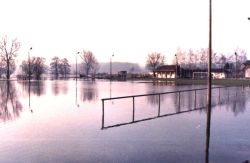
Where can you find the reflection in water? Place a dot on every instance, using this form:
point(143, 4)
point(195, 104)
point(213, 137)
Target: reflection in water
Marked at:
point(10, 106)
point(59, 86)
point(233, 98)
point(89, 91)
point(35, 87)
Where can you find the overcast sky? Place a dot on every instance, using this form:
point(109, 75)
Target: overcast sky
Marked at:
point(128, 28)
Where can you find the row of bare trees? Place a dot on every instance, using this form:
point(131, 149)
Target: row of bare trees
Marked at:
point(190, 59)
point(197, 59)
point(59, 67)
point(35, 66)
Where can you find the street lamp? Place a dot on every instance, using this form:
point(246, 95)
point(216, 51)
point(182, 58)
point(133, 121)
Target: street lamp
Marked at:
point(110, 66)
point(76, 63)
point(235, 65)
point(29, 72)
point(176, 66)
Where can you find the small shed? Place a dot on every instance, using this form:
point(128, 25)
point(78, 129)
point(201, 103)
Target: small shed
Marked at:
point(245, 67)
point(122, 75)
point(166, 71)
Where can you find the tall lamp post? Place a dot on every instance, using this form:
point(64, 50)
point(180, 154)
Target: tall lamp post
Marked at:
point(235, 65)
point(29, 74)
point(76, 63)
point(176, 66)
point(29, 71)
point(110, 66)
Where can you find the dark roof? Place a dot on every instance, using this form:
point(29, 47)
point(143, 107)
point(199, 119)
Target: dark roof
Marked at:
point(166, 68)
point(247, 63)
point(212, 70)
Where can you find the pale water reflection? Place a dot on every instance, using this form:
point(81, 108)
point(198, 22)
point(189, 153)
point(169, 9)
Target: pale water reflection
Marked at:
point(10, 105)
point(65, 122)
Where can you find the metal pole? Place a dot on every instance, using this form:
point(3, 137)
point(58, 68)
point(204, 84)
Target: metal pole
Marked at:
point(219, 95)
point(195, 99)
point(102, 113)
point(76, 64)
point(176, 64)
point(209, 83)
point(111, 67)
point(179, 94)
point(133, 118)
point(29, 72)
point(159, 107)
point(235, 65)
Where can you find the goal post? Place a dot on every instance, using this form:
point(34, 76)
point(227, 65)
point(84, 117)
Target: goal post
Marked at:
point(200, 75)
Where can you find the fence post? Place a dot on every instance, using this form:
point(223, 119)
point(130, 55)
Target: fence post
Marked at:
point(133, 118)
point(179, 95)
point(195, 98)
point(219, 95)
point(102, 113)
point(159, 107)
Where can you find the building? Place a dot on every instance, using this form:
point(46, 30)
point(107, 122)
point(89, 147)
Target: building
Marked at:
point(216, 74)
point(167, 71)
point(122, 75)
point(245, 68)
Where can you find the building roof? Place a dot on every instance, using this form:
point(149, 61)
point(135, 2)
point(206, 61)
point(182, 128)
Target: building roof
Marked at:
point(247, 63)
point(166, 68)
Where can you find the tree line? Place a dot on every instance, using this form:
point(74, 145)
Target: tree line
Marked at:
point(197, 59)
point(59, 67)
point(34, 67)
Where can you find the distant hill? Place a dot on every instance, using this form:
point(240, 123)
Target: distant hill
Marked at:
point(121, 66)
point(116, 67)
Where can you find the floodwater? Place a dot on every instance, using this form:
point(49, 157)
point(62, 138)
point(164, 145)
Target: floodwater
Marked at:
point(61, 121)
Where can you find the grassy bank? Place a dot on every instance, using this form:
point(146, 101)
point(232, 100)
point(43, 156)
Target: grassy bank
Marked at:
point(225, 82)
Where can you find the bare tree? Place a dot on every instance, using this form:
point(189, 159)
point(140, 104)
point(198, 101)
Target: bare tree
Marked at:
point(154, 60)
point(64, 67)
point(89, 62)
point(54, 66)
point(37, 67)
point(8, 53)
point(95, 68)
point(25, 68)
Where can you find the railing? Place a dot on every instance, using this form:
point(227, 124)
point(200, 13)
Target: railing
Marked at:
point(159, 104)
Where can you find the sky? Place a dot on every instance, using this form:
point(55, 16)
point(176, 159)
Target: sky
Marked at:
point(129, 29)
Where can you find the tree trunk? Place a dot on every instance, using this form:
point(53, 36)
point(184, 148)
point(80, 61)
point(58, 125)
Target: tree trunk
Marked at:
point(8, 69)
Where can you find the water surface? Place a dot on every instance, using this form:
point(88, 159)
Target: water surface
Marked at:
point(60, 121)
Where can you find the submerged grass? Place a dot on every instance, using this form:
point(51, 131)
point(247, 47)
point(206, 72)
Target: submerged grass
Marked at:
point(224, 82)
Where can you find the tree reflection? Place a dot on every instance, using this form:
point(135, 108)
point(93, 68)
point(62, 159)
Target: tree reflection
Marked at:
point(35, 87)
point(59, 86)
point(89, 91)
point(238, 103)
point(10, 106)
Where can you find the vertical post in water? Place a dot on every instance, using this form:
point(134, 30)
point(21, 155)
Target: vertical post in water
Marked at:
point(102, 113)
point(179, 95)
point(159, 106)
point(133, 118)
point(195, 99)
point(219, 95)
point(209, 82)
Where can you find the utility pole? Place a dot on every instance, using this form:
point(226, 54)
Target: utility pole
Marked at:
point(209, 83)
point(235, 65)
